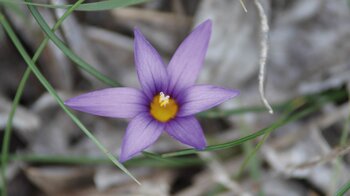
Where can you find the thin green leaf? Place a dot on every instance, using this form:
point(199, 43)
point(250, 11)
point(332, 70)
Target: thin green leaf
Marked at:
point(19, 92)
point(344, 189)
point(252, 154)
point(255, 164)
point(96, 6)
point(346, 129)
point(282, 121)
point(294, 105)
point(15, 8)
point(174, 162)
point(224, 145)
point(8, 130)
point(85, 160)
point(52, 91)
point(343, 140)
point(68, 52)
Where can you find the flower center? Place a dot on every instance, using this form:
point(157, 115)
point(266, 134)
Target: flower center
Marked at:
point(163, 108)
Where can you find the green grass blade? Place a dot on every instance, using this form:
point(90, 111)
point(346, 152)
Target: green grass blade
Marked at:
point(68, 52)
point(95, 6)
point(86, 160)
point(109, 4)
point(174, 162)
point(19, 92)
point(254, 166)
point(252, 154)
point(282, 121)
point(344, 189)
point(8, 128)
point(52, 91)
point(342, 143)
point(293, 105)
point(224, 145)
point(15, 8)
point(346, 129)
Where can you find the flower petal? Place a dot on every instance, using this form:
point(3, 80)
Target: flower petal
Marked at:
point(187, 130)
point(202, 97)
point(111, 102)
point(150, 68)
point(141, 132)
point(187, 61)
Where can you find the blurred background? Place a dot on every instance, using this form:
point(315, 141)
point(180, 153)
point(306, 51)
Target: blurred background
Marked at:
point(308, 67)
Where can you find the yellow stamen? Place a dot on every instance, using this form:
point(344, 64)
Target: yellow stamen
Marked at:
point(163, 108)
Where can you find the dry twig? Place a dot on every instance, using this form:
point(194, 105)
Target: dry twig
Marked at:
point(264, 28)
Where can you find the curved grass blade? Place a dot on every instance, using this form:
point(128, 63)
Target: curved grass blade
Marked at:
point(19, 92)
point(294, 105)
point(95, 6)
point(252, 154)
point(15, 8)
point(279, 123)
point(342, 143)
point(68, 52)
point(52, 91)
point(344, 189)
point(174, 162)
point(225, 145)
point(8, 130)
point(86, 160)
point(346, 129)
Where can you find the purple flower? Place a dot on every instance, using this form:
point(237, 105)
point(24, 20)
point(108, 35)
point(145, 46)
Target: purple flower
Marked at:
point(169, 98)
